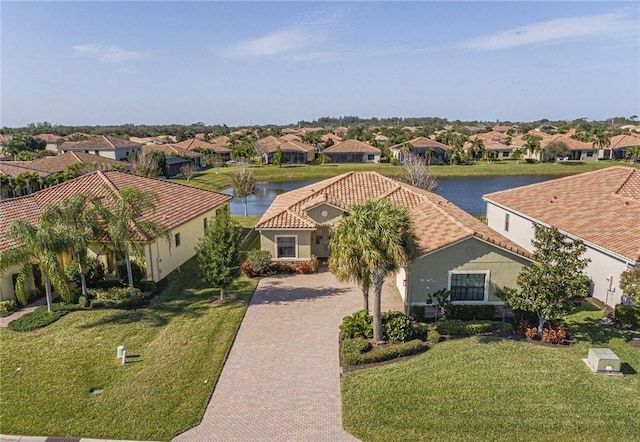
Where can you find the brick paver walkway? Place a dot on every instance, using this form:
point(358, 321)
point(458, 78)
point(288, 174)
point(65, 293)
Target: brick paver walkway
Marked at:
point(281, 381)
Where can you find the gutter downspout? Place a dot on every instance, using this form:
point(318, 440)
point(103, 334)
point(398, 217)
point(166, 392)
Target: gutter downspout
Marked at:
point(151, 262)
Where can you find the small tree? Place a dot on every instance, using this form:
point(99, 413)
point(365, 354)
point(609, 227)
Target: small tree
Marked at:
point(277, 157)
point(553, 279)
point(219, 253)
point(416, 173)
point(630, 284)
point(188, 170)
point(243, 184)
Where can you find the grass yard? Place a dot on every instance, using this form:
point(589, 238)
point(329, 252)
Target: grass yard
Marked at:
point(218, 179)
point(492, 389)
point(176, 348)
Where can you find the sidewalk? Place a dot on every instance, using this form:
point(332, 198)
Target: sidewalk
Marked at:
point(10, 438)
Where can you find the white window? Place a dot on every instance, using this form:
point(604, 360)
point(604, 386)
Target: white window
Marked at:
point(469, 286)
point(285, 246)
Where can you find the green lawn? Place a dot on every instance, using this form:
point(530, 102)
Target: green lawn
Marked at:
point(217, 179)
point(496, 389)
point(176, 348)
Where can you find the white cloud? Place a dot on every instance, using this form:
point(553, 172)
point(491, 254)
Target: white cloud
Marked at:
point(279, 42)
point(106, 53)
point(555, 30)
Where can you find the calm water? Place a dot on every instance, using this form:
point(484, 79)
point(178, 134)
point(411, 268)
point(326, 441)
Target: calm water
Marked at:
point(465, 192)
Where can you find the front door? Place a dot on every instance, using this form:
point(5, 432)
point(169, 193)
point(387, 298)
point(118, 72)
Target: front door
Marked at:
point(321, 246)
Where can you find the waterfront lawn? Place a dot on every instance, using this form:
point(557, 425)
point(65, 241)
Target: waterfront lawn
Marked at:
point(175, 348)
point(488, 388)
point(218, 179)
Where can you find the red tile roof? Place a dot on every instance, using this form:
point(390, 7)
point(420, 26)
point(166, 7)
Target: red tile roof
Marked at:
point(176, 203)
point(103, 142)
point(600, 207)
point(170, 150)
point(624, 141)
point(60, 163)
point(12, 169)
point(199, 144)
point(347, 146)
point(423, 143)
point(436, 221)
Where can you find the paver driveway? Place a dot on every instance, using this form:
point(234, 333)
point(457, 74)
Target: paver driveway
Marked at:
point(281, 381)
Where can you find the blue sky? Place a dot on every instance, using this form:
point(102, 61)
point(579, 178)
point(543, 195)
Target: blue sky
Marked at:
point(241, 63)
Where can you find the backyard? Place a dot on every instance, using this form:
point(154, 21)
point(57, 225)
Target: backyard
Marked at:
point(65, 380)
point(490, 388)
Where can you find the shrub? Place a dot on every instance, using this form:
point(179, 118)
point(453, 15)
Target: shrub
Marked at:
point(628, 315)
point(282, 267)
point(38, 318)
point(7, 307)
point(450, 327)
point(314, 264)
point(470, 312)
point(420, 329)
point(138, 272)
point(94, 271)
point(433, 336)
point(259, 261)
point(531, 333)
point(396, 326)
point(358, 325)
point(555, 335)
point(455, 327)
point(352, 357)
point(148, 286)
point(418, 311)
point(247, 270)
point(303, 268)
point(118, 297)
point(108, 283)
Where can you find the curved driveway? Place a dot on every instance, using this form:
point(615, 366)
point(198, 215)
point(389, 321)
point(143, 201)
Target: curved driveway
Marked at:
point(281, 381)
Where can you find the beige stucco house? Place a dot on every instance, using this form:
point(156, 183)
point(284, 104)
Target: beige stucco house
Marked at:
point(183, 210)
point(103, 146)
point(458, 252)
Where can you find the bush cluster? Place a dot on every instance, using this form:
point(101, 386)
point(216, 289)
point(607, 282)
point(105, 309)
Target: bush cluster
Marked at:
point(396, 326)
point(433, 336)
point(94, 271)
point(7, 307)
point(628, 315)
point(118, 297)
point(470, 312)
point(551, 333)
point(358, 325)
point(351, 353)
point(456, 327)
point(259, 263)
point(38, 318)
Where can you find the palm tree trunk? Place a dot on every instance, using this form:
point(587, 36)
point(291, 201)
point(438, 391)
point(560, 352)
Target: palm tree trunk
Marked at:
point(129, 271)
point(377, 277)
point(365, 296)
point(47, 290)
point(83, 279)
point(221, 293)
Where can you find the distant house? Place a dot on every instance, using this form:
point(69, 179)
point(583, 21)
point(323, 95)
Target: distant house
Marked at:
point(183, 210)
point(293, 152)
point(579, 150)
point(502, 151)
point(12, 170)
point(457, 251)
point(601, 208)
point(620, 144)
point(103, 146)
point(175, 157)
point(53, 141)
point(423, 147)
point(352, 151)
point(218, 147)
point(60, 163)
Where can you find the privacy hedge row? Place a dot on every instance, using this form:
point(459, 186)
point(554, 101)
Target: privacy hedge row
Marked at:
point(456, 327)
point(118, 297)
point(628, 315)
point(358, 351)
point(470, 312)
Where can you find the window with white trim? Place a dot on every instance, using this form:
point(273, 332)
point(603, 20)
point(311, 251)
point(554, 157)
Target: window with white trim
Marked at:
point(469, 286)
point(286, 246)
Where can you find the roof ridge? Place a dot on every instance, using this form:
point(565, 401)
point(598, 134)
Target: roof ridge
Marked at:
point(109, 141)
point(108, 183)
point(626, 180)
point(73, 153)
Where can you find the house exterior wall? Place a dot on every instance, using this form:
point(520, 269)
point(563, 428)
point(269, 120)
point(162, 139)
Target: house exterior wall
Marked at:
point(604, 268)
point(7, 291)
point(430, 273)
point(333, 214)
point(303, 243)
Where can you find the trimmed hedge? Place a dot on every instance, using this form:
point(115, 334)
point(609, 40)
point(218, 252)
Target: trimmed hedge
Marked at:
point(356, 352)
point(118, 297)
point(470, 312)
point(455, 327)
point(628, 315)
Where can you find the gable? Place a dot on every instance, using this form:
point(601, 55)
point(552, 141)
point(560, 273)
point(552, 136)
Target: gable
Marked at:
point(325, 214)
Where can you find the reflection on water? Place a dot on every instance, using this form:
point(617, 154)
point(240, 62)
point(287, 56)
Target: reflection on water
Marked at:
point(465, 192)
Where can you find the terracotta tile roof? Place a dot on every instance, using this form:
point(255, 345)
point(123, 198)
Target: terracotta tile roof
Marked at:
point(620, 141)
point(423, 143)
point(571, 143)
point(436, 221)
point(60, 163)
point(13, 169)
point(600, 207)
point(171, 150)
point(176, 203)
point(332, 137)
point(351, 146)
point(290, 137)
point(103, 142)
point(49, 138)
point(199, 144)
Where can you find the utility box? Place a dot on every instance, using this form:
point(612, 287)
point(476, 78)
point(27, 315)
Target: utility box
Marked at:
point(603, 360)
point(120, 351)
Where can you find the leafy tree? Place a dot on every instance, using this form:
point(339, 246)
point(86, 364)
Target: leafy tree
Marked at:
point(380, 232)
point(123, 226)
point(517, 154)
point(416, 173)
point(557, 149)
point(186, 134)
point(489, 155)
point(244, 184)
point(633, 153)
point(554, 277)
point(219, 252)
point(477, 148)
point(188, 170)
point(532, 144)
point(630, 284)
point(277, 157)
point(39, 244)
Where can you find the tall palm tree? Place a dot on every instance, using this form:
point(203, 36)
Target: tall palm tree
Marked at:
point(380, 231)
point(346, 262)
point(532, 145)
point(39, 244)
point(602, 140)
point(76, 221)
point(477, 148)
point(123, 224)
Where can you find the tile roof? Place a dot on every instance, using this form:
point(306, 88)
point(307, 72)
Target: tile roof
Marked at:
point(194, 143)
point(103, 142)
point(351, 146)
point(600, 207)
point(50, 138)
point(176, 204)
point(170, 150)
point(13, 169)
point(60, 163)
point(423, 143)
point(436, 221)
point(620, 141)
point(290, 137)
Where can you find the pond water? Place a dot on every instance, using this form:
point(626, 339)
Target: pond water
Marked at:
point(465, 192)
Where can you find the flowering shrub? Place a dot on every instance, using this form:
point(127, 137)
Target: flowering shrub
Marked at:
point(303, 268)
point(531, 333)
point(555, 335)
point(247, 270)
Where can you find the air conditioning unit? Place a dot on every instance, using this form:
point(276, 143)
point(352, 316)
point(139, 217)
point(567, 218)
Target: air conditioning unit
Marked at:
point(603, 361)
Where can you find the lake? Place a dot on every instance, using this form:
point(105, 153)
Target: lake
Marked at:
point(465, 192)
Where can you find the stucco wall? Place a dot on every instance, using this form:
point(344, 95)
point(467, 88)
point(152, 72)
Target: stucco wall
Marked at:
point(333, 214)
point(430, 273)
point(303, 243)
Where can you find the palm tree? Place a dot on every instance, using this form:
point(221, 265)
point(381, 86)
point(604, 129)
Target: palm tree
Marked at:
point(602, 140)
point(76, 221)
point(346, 262)
point(477, 148)
point(123, 226)
point(489, 155)
point(380, 231)
point(39, 244)
point(633, 153)
point(532, 145)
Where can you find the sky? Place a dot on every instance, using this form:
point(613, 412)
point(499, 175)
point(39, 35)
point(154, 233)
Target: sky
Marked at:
point(255, 63)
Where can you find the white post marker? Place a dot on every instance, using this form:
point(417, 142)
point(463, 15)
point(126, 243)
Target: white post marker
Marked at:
point(124, 357)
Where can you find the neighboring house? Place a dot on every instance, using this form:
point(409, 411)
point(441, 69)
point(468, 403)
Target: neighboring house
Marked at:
point(293, 152)
point(290, 137)
point(580, 151)
point(620, 144)
point(601, 208)
point(12, 170)
point(103, 146)
point(502, 151)
point(423, 147)
point(175, 157)
point(352, 151)
point(218, 147)
point(60, 163)
point(457, 251)
point(183, 210)
point(53, 141)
